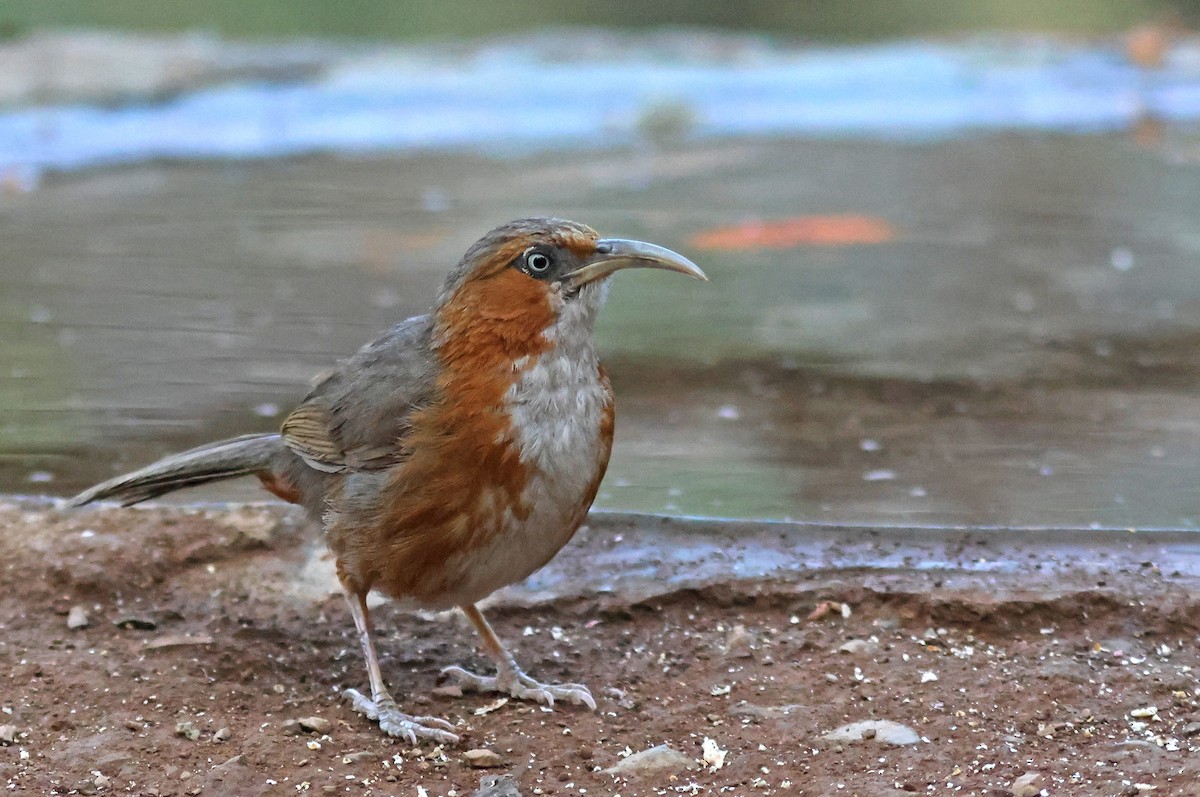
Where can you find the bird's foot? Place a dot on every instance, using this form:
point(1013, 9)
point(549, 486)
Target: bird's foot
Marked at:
point(394, 722)
point(521, 686)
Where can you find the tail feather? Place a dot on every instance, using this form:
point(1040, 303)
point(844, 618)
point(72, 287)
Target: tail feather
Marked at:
point(225, 459)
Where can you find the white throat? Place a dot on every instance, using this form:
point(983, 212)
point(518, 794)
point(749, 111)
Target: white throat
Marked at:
point(557, 402)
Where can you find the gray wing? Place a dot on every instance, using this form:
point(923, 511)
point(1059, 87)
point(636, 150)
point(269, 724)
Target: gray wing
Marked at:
point(355, 416)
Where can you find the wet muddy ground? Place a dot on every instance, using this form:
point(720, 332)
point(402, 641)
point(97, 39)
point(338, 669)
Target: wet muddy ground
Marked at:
point(1010, 662)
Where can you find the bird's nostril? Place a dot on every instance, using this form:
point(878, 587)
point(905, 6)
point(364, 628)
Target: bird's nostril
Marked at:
point(603, 248)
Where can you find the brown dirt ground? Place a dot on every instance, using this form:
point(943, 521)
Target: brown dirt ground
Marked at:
point(192, 618)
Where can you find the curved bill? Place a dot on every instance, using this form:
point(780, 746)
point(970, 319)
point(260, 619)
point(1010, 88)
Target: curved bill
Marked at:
point(614, 254)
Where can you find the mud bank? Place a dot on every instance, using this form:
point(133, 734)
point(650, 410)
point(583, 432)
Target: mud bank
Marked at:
point(201, 634)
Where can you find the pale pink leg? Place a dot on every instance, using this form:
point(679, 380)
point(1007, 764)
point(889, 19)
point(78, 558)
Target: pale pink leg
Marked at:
point(509, 679)
point(380, 706)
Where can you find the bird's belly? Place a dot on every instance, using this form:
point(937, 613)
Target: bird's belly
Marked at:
point(516, 548)
point(561, 419)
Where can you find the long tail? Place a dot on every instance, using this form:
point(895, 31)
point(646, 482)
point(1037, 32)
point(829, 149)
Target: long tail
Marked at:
point(221, 460)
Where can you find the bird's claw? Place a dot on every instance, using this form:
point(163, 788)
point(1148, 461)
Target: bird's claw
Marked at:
point(521, 686)
point(394, 722)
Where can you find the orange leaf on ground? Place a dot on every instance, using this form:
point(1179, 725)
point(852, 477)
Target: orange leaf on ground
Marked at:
point(840, 230)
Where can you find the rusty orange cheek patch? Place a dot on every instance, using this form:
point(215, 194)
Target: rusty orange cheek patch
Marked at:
point(835, 230)
point(489, 323)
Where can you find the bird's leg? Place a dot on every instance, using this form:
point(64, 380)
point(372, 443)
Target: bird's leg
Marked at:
point(380, 706)
point(509, 678)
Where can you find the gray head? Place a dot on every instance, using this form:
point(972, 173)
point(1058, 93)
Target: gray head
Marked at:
point(562, 256)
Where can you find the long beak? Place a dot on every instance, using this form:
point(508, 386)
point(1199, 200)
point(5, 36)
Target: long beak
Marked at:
point(614, 254)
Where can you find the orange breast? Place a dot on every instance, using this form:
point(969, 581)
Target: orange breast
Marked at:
point(465, 476)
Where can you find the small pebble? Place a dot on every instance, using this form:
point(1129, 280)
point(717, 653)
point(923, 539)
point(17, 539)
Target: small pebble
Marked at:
point(77, 617)
point(482, 758)
point(187, 730)
point(101, 782)
point(623, 699)
point(660, 758)
point(8, 734)
point(739, 642)
point(315, 724)
point(448, 691)
point(713, 755)
point(854, 646)
point(222, 735)
point(1027, 785)
point(497, 786)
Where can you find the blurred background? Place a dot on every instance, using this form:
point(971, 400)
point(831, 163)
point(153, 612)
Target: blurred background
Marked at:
point(954, 248)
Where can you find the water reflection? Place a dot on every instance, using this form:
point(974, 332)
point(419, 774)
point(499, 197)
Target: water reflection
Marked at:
point(1022, 351)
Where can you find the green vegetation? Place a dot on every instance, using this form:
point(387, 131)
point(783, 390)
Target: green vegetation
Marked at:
point(424, 19)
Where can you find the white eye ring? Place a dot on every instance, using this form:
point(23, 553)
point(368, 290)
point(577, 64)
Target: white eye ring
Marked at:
point(537, 262)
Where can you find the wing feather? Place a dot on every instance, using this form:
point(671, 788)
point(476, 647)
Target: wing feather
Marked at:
point(357, 416)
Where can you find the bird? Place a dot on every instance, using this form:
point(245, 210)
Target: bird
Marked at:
point(455, 454)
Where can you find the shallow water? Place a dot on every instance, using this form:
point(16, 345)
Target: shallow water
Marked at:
point(562, 90)
point(988, 365)
point(977, 329)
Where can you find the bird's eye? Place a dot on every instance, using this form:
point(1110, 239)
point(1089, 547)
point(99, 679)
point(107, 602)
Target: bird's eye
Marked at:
point(537, 262)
